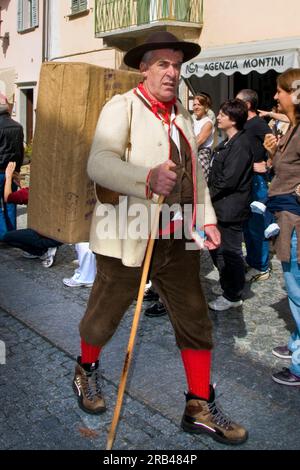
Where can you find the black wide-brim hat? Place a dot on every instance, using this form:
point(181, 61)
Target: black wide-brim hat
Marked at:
point(160, 40)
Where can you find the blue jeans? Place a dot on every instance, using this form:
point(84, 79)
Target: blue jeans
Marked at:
point(269, 218)
point(8, 212)
point(291, 272)
point(30, 241)
point(256, 244)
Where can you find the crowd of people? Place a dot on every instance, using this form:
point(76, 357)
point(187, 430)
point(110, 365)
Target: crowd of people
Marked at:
point(245, 188)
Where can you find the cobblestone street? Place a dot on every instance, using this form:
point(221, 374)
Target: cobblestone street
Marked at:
point(41, 412)
point(39, 318)
point(122, 120)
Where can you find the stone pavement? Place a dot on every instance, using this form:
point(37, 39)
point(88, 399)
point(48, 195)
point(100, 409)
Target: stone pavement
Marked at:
point(38, 323)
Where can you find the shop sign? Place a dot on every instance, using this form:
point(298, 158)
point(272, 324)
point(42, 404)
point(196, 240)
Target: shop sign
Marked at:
point(244, 65)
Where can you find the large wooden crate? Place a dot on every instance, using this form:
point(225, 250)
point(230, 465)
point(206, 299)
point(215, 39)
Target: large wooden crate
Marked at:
point(71, 95)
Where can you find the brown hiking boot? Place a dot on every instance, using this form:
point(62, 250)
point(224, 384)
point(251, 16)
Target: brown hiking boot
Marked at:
point(204, 416)
point(86, 385)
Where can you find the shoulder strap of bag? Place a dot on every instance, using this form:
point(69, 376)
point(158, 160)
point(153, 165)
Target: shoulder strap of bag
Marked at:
point(290, 137)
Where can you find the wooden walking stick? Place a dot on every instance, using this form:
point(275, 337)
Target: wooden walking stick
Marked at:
point(135, 322)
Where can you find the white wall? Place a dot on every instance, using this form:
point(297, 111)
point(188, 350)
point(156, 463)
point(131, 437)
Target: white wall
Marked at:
point(234, 21)
point(73, 38)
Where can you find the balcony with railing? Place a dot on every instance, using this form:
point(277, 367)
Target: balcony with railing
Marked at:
point(123, 23)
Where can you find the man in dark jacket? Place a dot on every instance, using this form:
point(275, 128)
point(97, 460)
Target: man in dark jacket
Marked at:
point(11, 150)
point(230, 186)
point(256, 244)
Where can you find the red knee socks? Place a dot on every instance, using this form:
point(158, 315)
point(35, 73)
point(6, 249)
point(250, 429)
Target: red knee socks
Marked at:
point(196, 364)
point(197, 370)
point(89, 353)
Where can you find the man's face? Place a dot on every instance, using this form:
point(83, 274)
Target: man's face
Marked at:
point(161, 73)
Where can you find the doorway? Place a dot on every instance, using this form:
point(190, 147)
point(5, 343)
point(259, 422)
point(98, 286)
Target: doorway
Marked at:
point(263, 84)
point(222, 87)
point(26, 113)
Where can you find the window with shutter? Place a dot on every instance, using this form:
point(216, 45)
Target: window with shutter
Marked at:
point(34, 13)
point(78, 5)
point(20, 15)
point(28, 14)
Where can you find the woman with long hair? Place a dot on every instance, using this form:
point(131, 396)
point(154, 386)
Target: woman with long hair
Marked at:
point(284, 193)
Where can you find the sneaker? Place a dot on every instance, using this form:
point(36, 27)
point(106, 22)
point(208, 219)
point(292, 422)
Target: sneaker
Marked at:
point(286, 377)
point(150, 295)
point(253, 275)
point(27, 255)
point(258, 207)
point(86, 385)
point(206, 417)
point(282, 351)
point(221, 303)
point(272, 230)
point(71, 283)
point(156, 310)
point(44, 255)
point(217, 289)
point(50, 257)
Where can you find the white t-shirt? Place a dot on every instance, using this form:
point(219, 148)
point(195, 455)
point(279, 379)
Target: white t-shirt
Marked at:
point(198, 125)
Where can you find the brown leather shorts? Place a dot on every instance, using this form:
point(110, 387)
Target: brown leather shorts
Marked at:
point(174, 274)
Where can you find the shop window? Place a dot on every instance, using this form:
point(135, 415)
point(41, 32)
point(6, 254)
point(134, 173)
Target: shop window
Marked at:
point(78, 6)
point(28, 14)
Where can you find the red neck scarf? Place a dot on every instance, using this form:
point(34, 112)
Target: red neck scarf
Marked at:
point(162, 108)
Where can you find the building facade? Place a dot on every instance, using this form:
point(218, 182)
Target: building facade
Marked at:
point(243, 44)
point(21, 52)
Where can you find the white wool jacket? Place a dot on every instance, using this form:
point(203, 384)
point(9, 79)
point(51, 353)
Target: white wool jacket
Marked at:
point(122, 231)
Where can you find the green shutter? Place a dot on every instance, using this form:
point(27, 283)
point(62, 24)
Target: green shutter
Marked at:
point(78, 5)
point(35, 13)
point(20, 16)
point(75, 6)
point(82, 5)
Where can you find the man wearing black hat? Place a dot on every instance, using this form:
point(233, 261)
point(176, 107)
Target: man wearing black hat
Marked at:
point(144, 147)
